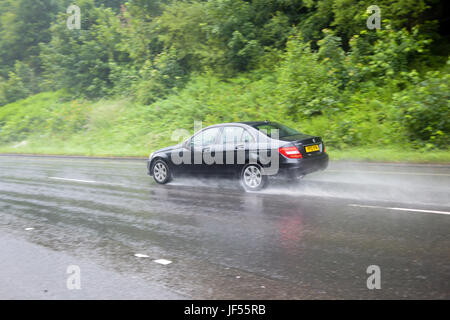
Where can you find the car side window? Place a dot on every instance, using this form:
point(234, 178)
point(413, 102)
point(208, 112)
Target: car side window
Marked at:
point(268, 129)
point(205, 138)
point(232, 135)
point(247, 137)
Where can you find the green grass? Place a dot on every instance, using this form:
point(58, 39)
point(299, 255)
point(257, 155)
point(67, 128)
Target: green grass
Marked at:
point(391, 154)
point(52, 123)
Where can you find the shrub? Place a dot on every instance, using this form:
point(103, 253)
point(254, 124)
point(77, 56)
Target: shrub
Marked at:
point(306, 85)
point(425, 110)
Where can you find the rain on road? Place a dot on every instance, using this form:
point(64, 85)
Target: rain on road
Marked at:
point(314, 240)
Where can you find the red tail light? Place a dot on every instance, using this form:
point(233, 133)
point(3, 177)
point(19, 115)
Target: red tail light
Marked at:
point(290, 152)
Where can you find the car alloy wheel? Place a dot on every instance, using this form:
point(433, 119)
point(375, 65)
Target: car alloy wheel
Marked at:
point(253, 178)
point(161, 172)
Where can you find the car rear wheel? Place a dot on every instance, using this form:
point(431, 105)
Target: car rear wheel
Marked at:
point(161, 172)
point(252, 178)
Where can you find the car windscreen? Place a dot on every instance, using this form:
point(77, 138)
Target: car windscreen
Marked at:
point(270, 129)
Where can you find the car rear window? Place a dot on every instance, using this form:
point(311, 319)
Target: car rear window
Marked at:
point(270, 129)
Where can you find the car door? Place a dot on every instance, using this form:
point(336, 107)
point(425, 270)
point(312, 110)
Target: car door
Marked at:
point(203, 148)
point(235, 141)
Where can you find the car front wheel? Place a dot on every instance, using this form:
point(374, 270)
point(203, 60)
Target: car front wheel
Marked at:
point(161, 172)
point(252, 178)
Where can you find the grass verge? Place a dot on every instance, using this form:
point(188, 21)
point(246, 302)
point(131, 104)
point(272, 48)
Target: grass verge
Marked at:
point(53, 124)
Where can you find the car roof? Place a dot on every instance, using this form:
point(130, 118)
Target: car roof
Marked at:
point(254, 123)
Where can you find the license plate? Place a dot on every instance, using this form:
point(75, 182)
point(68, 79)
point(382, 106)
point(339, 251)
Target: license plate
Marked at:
point(312, 148)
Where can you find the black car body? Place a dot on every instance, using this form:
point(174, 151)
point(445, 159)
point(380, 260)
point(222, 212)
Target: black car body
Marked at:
point(249, 150)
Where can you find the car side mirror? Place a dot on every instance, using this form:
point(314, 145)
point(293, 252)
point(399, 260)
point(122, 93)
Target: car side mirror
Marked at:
point(187, 144)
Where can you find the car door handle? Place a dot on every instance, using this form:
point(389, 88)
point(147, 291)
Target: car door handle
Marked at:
point(239, 146)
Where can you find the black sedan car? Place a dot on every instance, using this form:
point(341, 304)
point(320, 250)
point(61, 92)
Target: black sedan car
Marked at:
point(250, 151)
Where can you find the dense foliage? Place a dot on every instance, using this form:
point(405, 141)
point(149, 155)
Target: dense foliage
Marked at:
point(311, 64)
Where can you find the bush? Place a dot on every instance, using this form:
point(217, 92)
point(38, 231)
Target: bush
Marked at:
point(425, 110)
point(42, 115)
point(306, 86)
point(12, 89)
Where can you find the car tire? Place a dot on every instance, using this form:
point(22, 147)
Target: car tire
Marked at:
point(253, 178)
point(161, 172)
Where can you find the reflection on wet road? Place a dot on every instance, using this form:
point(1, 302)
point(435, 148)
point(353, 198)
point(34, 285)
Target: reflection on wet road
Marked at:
point(308, 241)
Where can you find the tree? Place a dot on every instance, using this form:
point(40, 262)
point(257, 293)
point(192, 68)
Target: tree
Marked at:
point(23, 25)
point(79, 59)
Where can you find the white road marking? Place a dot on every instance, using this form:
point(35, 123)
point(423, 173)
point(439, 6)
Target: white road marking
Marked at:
point(74, 180)
point(391, 172)
point(84, 181)
point(163, 261)
point(400, 209)
point(29, 229)
point(140, 255)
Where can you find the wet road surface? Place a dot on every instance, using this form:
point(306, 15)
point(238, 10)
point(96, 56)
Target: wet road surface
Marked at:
point(312, 240)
